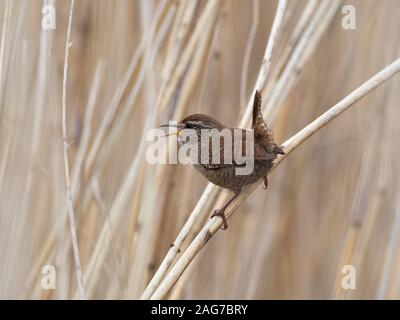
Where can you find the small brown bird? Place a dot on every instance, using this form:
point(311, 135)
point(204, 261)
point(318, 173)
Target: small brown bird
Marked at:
point(264, 150)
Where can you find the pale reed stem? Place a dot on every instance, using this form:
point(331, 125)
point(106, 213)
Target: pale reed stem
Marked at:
point(70, 205)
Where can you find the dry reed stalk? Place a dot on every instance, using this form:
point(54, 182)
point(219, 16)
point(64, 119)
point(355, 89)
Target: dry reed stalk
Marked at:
point(288, 146)
point(76, 174)
point(125, 100)
point(372, 219)
point(293, 41)
point(196, 67)
point(390, 254)
point(192, 76)
point(134, 216)
point(142, 81)
point(6, 20)
point(349, 250)
point(87, 132)
point(86, 157)
point(179, 32)
point(364, 220)
point(69, 201)
point(352, 238)
point(161, 12)
point(301, 53)
point(248, 51)
point(264, 73)
point(126, 189)
point(166, 92)
point(147, 216)
point(35, 139)
point(177, 291)
point(197, 212)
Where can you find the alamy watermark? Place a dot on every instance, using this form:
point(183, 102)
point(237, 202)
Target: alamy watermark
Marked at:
point(48, 21)
point(208, 147)
point(349, 17)
point(48, 281)
point(349, 280)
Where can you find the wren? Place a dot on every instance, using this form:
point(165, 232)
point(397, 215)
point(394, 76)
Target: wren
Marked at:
point(224, 174)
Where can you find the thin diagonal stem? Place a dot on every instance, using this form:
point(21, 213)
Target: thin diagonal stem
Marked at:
point(70, 206)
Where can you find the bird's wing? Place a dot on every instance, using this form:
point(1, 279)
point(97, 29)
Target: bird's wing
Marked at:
point(239, 151)
point(261, 130)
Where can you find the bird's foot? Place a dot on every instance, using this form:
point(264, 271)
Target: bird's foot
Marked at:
point(265, 183)
point(220, 213)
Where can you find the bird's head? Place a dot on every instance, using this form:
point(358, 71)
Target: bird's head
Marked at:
point(199, 122)
point(193, 124)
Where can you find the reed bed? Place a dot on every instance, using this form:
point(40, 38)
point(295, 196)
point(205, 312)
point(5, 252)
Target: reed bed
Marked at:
point(77, 193)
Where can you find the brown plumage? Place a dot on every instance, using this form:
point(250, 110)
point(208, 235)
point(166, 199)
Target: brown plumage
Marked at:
point(224, 173)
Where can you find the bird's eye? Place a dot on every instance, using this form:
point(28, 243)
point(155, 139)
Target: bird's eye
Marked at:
point(189, 125)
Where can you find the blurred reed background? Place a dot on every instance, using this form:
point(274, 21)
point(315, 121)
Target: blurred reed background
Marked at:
point(136, 64)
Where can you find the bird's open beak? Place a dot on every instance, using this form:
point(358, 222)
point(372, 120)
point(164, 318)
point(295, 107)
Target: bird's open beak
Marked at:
point(168, 125)
point(171, 125)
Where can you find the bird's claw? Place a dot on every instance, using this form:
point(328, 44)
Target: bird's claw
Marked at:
point(220, 213)
point(265, 183)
